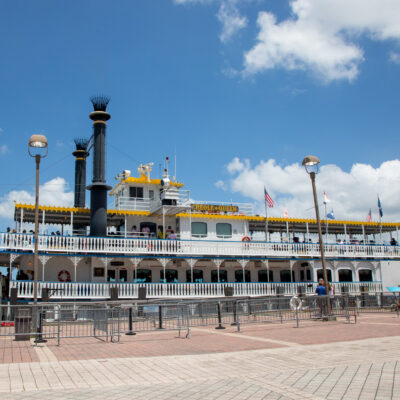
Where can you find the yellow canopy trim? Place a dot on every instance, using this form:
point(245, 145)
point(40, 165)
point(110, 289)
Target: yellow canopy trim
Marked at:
point(143, 180)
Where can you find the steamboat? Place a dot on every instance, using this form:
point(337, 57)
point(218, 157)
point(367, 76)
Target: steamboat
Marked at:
point(154, 241)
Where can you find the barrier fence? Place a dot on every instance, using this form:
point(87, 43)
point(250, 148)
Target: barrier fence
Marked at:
point(110, 320)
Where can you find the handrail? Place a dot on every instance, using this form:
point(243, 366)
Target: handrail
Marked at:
point(184, 248)
point(95, 290)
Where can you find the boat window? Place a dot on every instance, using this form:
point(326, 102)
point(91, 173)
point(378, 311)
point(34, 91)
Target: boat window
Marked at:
point(143, 275)
point(320, 274)
point(223, 275)
point(171, 275)
point(151, 194)
point(199, 229)
point(239, 275)
point(265, 275)
point(365, 275)
point(123, 275)
point(136, 192)
point(345, 275)
point(197, 275)
point(224, 230)
point(285, 275)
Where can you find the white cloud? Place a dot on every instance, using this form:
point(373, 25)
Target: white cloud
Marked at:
point(231, 20)
point(221, 185)
point(321, 36)
point(352, 193)
point(4, 149)
point(228, 14)
point(394, 57)
point(52, 193)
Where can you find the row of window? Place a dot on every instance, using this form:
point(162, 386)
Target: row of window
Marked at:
point(171, 275)
point(199, 229)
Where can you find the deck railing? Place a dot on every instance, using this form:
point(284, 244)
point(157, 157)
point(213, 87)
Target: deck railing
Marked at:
point(89, 290)
point(185, 248)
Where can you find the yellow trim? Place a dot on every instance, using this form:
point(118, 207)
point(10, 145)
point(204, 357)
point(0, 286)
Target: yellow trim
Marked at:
point(99, 122)
point(143, 180)
point(207, 216)
point(80, 158)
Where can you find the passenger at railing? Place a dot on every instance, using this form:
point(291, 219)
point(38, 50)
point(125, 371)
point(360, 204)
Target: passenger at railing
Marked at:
point(296, 240)
point(146, 231)
point(22, 276)
point(134, 231)
point(172, 235)
point(393, 242)
point(169, 230)
point(160, 233)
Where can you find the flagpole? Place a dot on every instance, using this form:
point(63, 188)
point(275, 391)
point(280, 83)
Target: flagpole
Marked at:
point(266, 221)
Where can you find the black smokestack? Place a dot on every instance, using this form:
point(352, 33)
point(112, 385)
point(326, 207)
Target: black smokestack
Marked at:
point(80, 155)
point(98, 188)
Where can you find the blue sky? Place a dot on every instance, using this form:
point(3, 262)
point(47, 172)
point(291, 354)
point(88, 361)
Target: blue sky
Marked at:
point(222, 83)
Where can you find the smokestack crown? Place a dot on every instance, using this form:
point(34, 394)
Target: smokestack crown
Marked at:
point(100, 102)
point(81, 143)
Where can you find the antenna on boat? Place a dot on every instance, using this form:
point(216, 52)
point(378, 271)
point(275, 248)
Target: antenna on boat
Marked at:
point(174, 177)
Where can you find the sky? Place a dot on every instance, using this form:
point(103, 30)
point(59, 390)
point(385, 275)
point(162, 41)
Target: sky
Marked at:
point(239, 90)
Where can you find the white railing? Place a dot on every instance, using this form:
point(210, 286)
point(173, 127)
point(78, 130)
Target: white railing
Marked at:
point(132, 203)
point(88, 290)
point(183, 248)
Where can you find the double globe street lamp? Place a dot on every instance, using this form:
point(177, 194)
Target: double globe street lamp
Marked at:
point(38, 149)
point(311, 164)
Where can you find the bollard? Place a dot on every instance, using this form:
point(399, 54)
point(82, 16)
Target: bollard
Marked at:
point(235, 321)
point(39, 330)
point(130, 327)
point(219, 317)
point(160, 317)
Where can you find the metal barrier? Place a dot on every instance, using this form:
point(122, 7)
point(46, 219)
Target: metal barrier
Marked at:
point(110, 320)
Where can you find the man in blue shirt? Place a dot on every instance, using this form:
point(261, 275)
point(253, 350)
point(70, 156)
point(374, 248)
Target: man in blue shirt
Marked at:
point(321, 301)
point(321, 290)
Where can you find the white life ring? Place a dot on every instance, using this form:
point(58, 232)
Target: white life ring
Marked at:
point(295, 303)
point(64, 276)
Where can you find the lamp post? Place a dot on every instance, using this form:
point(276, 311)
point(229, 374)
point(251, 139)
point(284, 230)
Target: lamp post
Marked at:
point(311, 163)
point(37, 148)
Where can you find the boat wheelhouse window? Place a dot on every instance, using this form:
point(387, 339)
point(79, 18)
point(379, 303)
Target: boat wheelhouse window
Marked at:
point(111, 275)
point(320, 274)
point(136, 192)
point(365, 275)
point(224, 230)
point(223, 275)
point(345, 275)
point(239, 275)
point(197, 275)
point(143, 275)
point(265, 275)
point(171, 275)
point(199, 229)
point(151, 194)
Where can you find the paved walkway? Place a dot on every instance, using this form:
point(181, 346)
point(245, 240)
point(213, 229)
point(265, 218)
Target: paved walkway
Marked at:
point(317, 361)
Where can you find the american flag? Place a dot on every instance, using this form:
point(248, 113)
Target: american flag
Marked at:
point(285, 213)
point(268, 198)
point(369, 216)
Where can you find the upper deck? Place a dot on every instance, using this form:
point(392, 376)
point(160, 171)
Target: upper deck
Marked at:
point(147, 247)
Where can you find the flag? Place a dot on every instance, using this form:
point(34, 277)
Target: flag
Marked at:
point(330, 215)
point(285, 213)
point(326, 200)
point(369, 216)
point(380, 208)
point(268, 198)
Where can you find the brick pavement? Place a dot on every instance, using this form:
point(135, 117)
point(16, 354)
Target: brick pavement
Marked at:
point(317, 361)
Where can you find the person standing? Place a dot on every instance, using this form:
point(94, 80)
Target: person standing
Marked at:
point(321, 299)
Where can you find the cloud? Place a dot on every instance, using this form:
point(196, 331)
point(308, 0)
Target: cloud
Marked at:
point(394, 57)
point(221, 185)
point(321, 36)
point(228, 14)
point(231, 20)
point(52, 193)
point(352, 193)
point(4, 149)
